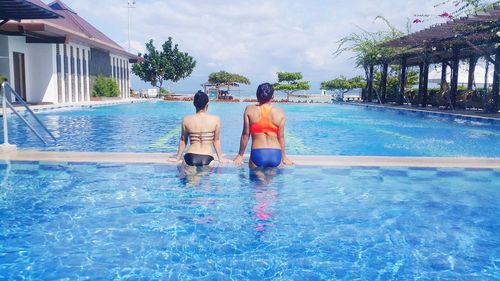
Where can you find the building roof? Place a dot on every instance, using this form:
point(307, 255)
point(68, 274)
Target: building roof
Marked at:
point(25, 9)
point(72, 27)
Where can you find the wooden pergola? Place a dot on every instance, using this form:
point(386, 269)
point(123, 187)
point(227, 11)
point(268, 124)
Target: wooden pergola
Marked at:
point(467, 38)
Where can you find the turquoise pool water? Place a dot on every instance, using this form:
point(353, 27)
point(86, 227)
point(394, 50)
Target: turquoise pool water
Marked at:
point(76, 221)
point(319, 129)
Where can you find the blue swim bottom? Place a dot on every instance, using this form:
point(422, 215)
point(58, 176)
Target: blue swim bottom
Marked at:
point(266, 157)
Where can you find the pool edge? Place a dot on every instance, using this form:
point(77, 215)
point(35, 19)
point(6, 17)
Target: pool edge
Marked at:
point(300, 160)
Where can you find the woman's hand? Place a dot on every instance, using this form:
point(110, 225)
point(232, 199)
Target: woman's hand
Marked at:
point(173, 160)
point(225, 160)
point(238, 160)
point(287, 161)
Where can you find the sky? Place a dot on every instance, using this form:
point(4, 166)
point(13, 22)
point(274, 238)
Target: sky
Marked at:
point(253, 38)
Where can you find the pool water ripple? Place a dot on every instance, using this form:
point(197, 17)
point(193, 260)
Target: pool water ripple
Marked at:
point(160, 222)
point(318, 129)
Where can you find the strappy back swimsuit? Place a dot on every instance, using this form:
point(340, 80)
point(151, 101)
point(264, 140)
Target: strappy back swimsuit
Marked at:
point(193, 159)
point(265, 157)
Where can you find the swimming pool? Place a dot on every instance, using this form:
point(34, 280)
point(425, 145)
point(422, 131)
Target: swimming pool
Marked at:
point(313, 129)
point(151, 222)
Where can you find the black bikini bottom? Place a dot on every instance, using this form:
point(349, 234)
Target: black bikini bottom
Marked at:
point(193, 159)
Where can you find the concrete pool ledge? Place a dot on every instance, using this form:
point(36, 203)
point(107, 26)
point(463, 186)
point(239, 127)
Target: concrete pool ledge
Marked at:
point(300, 160)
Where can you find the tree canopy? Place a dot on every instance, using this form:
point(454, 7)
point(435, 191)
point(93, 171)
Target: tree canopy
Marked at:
point(343, 84)
point(289, 82)
point(167, 64)
point(223, 77)
point(366, 45)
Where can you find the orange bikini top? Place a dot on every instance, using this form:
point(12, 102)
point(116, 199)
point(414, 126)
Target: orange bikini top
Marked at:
point(264, 125)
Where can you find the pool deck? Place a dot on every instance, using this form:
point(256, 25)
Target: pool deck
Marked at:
point(302, 160)
point(459, 112)
point(76, 105)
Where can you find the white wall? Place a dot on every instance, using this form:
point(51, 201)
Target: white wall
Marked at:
point(42, 72)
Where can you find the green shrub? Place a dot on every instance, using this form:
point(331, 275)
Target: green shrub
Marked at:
point(163, 92)
point(113, 90)
point(105, 87)
point(2, 78)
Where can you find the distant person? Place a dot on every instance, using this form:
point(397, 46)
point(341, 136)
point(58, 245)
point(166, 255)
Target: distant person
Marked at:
point(266, 125)
point(202, 130)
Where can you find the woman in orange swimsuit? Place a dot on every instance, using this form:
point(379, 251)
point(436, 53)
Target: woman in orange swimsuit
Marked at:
point(266, 125)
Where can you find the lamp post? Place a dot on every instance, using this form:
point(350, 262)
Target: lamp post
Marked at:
point(130, 5)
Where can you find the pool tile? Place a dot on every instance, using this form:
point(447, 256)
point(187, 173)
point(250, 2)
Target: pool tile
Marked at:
point(24, 162)
point(336, 171)
point(393, 173)
point(25, 172)
point(449, 174)
point(82, 163)
point(53, 167)
point(423, 168)
point(478, 170)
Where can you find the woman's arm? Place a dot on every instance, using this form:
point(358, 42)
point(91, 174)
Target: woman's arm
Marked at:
point(245, 135)
point(217, 145)
point(281, 140)
point(182, 141)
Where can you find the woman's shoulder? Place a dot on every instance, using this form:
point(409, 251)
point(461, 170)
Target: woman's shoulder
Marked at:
point(213, 116)
point(250, 107)
point(278, 109)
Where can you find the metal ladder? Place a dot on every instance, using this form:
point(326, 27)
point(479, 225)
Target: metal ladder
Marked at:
point(7, 89)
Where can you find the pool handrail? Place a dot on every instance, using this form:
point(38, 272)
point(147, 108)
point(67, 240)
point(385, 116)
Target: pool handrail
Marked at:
point(6, 86)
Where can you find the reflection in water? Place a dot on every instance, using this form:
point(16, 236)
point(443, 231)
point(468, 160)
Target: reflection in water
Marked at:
point(266, 195)
point(192, 176)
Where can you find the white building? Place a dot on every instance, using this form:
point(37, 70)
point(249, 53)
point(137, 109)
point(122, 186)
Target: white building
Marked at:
point(57, 60)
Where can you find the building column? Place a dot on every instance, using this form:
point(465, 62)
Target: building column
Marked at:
point(454, 77)
point(81, 96)
point(402, 81)
point(70, 75)
point(63, 71)
point(496, 80)
point(370, 83)
point(383, 82)
point(120, 77)
point(420, 80)
point(425, 83)
point(444, 67)
point(128, 78)
point(472, 69)
point(124, 77)
point(87, 75)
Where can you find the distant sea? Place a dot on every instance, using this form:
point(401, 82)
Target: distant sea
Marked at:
point(236, 94)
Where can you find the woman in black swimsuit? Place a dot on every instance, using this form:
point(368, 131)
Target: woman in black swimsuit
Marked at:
point(202, 130)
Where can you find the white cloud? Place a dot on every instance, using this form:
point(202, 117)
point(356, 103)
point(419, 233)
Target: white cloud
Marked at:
point(255, 38)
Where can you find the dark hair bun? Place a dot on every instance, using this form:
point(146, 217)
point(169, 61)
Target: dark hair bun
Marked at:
point(200, 100)
point(265, 92)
